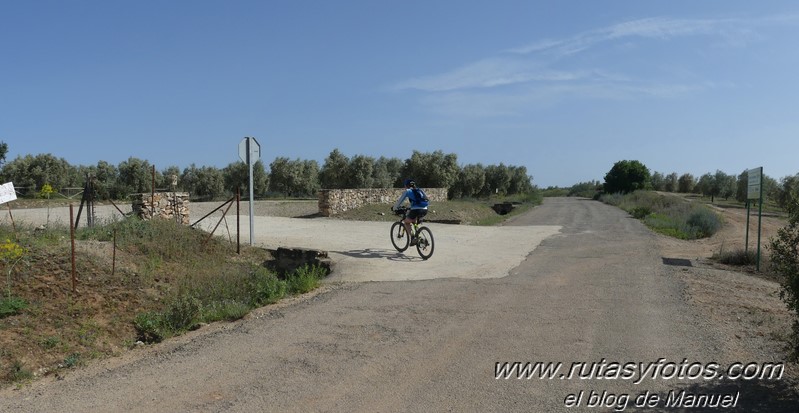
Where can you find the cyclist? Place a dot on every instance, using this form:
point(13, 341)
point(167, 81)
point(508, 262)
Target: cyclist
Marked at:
point(419, 203)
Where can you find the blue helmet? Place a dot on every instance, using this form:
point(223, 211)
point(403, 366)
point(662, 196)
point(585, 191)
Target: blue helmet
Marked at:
point(409, 182)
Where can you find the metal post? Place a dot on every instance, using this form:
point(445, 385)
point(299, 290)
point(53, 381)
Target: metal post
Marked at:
point(746, 247)
point(152, 195)
point(11, 216)
point(114, 254)
point(72, 238)
point(238, 219)
point(759, 223)
point(252, 208)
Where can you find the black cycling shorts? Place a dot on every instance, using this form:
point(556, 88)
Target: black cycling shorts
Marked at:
point(417, 213)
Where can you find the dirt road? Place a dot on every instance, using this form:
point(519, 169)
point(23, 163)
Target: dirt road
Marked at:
point(597, 292)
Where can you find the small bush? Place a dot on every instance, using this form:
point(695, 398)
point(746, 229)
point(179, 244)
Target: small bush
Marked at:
point(640, 212)
point(150, 327)
point(182, 313)
point(266, 288)
point(19, 372)
point(704, 221)
point(305, 279)
point(739, 257)
point(72, 360)
point(10, 305)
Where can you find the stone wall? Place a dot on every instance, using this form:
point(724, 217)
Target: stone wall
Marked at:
point(335, 201)
point(168, 205)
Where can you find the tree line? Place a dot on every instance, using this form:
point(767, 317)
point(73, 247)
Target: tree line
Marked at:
point(284, 176)
point(627, 176)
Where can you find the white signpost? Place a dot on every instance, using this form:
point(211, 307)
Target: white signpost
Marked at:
point(250, 153)
point(754, 191)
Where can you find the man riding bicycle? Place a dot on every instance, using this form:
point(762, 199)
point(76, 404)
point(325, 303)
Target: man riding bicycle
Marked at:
point(419, 203)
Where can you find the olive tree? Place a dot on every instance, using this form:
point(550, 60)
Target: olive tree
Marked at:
point(386, 172)
point(333, 174)
point(471, 180)
point(135, 176)
point(36, 171)
point(360, 171)
point(432, 170)
point(685, 184)
point(294, 177)
point(3, 152)
point(205, 182)
point(497, 180)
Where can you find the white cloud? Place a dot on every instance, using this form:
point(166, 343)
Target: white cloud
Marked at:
point(548, 70)
point(488, 73)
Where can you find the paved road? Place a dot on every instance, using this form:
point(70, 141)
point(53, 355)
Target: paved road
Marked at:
point(595, 291)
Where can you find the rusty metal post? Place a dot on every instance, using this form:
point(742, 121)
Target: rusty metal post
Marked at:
point(115, 206)
point(114, 254)
point(13, 225)
point(72, 238)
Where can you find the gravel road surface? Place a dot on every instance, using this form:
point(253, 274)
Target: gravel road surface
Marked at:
point(594, 291)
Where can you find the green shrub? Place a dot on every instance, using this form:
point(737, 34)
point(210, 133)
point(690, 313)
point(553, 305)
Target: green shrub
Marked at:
point(640, 212)
point(305, 279)
point(150, 327)
point(182, 313)
point(738, 257)
point(784, 249)
point(704, 221)
point(11, 305)
point(265, 287)
point(19, 372)
point(72, 360)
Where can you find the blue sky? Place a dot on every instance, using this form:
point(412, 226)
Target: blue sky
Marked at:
point(564, 88)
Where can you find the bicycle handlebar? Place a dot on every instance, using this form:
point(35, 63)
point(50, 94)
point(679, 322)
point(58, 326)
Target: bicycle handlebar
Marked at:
point(400, 211)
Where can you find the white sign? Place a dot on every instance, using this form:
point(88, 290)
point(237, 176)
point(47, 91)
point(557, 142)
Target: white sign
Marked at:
point(255, 150)
point(755, 181)
point(7, 192)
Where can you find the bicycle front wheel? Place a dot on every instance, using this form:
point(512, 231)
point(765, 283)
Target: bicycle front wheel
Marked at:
point(425, 244)
point(398, 236)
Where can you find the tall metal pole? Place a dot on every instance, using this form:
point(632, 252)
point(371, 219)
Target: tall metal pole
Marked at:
point(746, 247)
point(72, 225)
point(249, 164)
point(759, 219)
point(238, 220)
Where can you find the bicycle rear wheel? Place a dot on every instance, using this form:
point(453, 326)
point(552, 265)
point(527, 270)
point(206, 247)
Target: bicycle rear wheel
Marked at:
point(425, 244)
point(398, 236)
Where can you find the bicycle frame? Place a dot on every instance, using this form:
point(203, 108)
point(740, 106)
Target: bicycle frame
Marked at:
point(401, 241)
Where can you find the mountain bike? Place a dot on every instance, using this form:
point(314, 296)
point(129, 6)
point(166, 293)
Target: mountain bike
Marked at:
point(401, 240)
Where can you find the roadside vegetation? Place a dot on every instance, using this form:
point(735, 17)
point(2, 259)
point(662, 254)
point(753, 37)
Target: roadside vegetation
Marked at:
point(668, 215)
point(784, 250)
point(166, 279)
